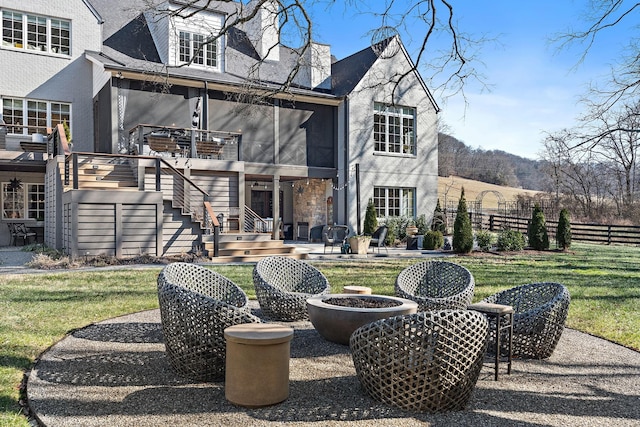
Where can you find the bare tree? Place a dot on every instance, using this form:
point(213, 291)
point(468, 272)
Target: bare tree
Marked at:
point(598, 159)
point(618, 145)
point(577, 176)
point(601, 17)
point(425, 22)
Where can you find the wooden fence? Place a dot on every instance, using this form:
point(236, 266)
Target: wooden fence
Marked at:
point(583, 232)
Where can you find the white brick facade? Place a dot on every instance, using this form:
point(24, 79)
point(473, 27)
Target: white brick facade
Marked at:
point(48, 77)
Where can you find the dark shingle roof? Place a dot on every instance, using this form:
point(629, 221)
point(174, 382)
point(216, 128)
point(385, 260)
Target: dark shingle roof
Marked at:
point(346, 73)
point(128, 44)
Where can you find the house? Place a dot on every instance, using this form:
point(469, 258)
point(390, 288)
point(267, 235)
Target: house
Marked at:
point(179, 121)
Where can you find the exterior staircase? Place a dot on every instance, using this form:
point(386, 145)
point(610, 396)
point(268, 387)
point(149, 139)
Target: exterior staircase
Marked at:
point(248, 247)
point(181, 231)
point(101, 174)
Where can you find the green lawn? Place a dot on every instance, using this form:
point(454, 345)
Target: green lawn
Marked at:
point(38, 310)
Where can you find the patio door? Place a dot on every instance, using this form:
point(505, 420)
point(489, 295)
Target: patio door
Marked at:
point(262, 203)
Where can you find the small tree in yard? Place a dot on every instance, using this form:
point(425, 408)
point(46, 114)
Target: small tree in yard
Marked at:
point(462, 231)
point(537, 232)
point(563, 237)
point(439, 221)
point(370, 219)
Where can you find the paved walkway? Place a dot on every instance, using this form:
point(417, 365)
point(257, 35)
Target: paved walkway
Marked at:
point(115, 373)
point(14, 260)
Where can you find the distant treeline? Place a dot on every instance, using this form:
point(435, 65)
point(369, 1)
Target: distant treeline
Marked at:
point(491, 166)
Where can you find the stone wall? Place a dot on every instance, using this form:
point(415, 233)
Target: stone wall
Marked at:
point(309, 204)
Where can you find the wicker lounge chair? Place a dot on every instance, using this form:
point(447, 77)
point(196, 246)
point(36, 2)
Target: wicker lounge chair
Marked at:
point(540, 311)
point(196, 305)
point(427, 361)
point(283, 286)
point(436, 285)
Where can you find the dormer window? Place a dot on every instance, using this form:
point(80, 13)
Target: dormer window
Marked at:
point(198, 49)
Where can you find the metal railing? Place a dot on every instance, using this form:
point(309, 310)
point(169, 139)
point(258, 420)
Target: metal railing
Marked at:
point(254, 223)
point(171, 141)
point(184, 193)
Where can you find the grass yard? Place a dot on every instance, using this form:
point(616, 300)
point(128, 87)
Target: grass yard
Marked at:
point(38, 310)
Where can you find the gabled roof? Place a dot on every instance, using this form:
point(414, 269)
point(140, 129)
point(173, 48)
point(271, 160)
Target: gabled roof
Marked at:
point(348, 72)
point(129, 46)
point(94, 11)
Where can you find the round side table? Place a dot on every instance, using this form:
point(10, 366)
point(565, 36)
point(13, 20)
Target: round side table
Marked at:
point(257, 364)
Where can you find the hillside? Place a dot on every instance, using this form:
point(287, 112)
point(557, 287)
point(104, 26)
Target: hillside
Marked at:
point(449, 191)
point(494, 166)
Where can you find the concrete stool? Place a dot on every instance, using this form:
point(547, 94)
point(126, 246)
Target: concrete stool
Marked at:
point(257, 365)
point(357, 290)
point(498, 313)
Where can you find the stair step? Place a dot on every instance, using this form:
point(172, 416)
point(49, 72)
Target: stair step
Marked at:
point(243, 237)
point(252, 258)
point(254, 251)
point(106, 184)
point(255, 244)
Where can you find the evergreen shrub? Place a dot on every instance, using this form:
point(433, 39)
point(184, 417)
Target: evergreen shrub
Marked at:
point(563, 237)
point(510, 240)
point(432, 240)
point(485, 240)
point(537, 232)
point(462, 231)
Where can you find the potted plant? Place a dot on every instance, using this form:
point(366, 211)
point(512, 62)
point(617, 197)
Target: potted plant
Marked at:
point(411, 229)
point(359, 244)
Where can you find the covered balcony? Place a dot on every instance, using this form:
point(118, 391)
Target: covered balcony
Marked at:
point(171, 141)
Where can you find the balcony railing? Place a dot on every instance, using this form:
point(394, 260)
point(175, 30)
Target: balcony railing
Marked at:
point(170, 141)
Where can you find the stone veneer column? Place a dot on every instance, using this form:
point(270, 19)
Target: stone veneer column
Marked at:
point(310, 202)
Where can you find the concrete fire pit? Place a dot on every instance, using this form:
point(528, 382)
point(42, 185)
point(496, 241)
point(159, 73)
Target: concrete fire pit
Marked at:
point(336, 323)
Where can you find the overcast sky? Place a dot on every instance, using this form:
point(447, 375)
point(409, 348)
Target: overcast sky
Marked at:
point(534, 88)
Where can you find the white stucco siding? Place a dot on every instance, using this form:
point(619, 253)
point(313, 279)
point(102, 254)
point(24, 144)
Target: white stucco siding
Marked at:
point(390, 169)
point(49, 77)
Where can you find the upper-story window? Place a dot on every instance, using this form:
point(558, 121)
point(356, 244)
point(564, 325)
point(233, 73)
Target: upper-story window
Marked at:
point(198, 49)
point(29, 116)
point(35, 32)
point(394, 129)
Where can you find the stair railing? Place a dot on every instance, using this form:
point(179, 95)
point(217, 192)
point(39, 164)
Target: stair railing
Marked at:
point(182, 191)
point(184, 194)
point(254, 223)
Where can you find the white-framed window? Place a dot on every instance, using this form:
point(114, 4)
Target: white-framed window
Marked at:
point(198, 49)
point(36, 32)
point(394, 129)
point(393, 201)
point(28, 116)
point(22, 201)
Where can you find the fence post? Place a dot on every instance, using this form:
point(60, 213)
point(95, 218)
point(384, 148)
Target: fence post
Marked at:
point(491, 222)
point(608, 234)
